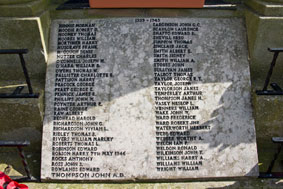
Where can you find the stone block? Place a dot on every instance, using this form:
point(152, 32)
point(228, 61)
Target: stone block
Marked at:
point(266, 7)
point(21, 119)
point(264, 32)
point(266, 152)
point(95, 13)
point(265, 26)
point(27, 33)
point(268, 118)
point(25, 9)
point(12, 164)
point(116, 12)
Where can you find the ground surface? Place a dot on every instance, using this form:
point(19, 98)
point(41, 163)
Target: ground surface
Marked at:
point(254, 183)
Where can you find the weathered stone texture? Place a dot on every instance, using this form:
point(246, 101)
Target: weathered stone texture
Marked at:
point(128, 100)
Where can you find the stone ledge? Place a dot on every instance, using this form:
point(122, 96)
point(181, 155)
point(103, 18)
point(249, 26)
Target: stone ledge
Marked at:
point(32, 8)
point(263, 33)
point(14, 161)
point(170, 13)
point(21, 118)
point(268, 115)
point(266, 8)
point(24, 33)
point(252, 183)
point(267, 111)
point(269, 123)
point(12, 2)
point(266, 151)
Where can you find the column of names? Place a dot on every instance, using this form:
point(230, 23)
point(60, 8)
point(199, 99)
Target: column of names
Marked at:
point(176, 97)
point(76, 135)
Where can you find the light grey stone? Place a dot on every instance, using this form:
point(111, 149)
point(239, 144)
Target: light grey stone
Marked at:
point(223, 144)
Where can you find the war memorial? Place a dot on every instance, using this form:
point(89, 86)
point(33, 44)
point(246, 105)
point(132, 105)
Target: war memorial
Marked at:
point(149, 95)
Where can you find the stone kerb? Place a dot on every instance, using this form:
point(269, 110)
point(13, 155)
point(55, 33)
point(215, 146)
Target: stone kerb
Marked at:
point(264, 21)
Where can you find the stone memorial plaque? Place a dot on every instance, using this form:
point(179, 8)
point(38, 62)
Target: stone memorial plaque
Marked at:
point(148, 98)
